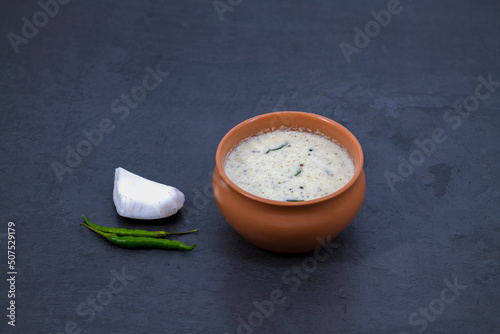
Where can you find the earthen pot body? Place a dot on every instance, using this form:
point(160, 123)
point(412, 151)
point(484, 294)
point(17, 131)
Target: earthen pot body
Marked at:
point(289, 227)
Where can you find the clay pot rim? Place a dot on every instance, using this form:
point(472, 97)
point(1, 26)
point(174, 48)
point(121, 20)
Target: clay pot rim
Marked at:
point(282, 114)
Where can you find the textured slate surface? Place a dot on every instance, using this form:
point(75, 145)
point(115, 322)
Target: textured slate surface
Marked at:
point(422, 255)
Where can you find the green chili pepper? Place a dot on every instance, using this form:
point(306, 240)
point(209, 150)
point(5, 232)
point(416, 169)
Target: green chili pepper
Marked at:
point(298, 172)
point(131, 242)
point(133, 233)
point(295, 200)
point(275, 149)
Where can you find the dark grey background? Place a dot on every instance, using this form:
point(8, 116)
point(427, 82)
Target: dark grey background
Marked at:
point(439, 225)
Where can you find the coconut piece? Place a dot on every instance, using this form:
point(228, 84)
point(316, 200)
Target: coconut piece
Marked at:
point(140, 198)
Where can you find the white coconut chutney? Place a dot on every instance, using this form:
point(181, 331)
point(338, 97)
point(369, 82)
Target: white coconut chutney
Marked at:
point(289, 165)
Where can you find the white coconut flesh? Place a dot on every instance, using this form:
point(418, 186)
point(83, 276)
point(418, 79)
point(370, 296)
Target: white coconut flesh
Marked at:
point(140, 198)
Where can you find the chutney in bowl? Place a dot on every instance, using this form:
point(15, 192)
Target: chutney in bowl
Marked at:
point(281, 226)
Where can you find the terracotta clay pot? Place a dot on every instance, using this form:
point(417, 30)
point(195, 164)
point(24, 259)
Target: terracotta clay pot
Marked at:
point(289, 227)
